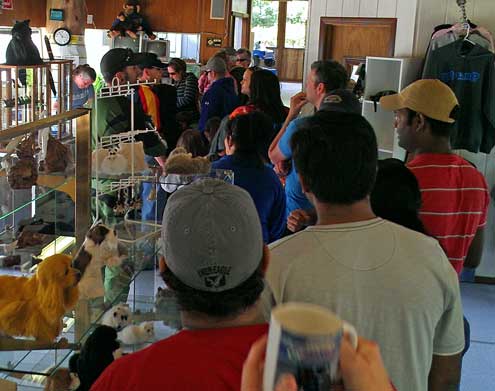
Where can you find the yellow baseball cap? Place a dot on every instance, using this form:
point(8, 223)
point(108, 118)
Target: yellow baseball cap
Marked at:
point(430, 97)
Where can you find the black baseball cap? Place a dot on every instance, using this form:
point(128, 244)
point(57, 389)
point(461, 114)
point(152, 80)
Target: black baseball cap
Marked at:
point(149, 60)
point(115, 60)
point(341, 100)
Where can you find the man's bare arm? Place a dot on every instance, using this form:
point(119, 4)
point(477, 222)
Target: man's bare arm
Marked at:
point(445, 373)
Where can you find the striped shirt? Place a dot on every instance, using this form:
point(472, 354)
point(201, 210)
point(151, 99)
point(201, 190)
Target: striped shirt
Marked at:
point(187, 93)
point(455, 201)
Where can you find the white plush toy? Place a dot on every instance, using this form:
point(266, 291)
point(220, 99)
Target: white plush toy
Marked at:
point(118, 317)
point(114, 164)
point(136, 334)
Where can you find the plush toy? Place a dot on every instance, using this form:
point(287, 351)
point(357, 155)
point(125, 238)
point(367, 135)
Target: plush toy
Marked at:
point(137, 334)
point(22, 51)
point(100, 248)
point(180, 163)
point(117, 317)
point(130, 21)
point(97, 353)
point(34, 306)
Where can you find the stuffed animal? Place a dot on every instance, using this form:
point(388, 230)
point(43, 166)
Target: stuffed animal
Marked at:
point(34, 306)
point(137, 334)
point(130, 21)
point(22, 51)
point(114, 164)
point(180, 163)
point(98, 352)
point(117, 317)
point(100, 248)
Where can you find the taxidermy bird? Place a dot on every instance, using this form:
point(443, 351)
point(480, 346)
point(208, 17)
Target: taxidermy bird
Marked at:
point(22, 51)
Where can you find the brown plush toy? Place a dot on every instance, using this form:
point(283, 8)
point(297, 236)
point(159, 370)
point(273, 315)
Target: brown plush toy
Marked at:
point(34, 306)
point(182, 163)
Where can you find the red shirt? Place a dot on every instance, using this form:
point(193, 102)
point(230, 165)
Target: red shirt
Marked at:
point(209, 359)
point(455, 201)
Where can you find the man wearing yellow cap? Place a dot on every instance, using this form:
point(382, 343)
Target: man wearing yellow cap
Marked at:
point(454, 193)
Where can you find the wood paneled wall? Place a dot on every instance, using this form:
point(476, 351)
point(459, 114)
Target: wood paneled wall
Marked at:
point(25, 9)
point(290, 64)
point(181, 16)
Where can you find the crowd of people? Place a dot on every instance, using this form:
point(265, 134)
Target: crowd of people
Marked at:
point(313, 217)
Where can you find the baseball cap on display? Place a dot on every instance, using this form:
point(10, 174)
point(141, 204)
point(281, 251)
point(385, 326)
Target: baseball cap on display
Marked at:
point(430, 97)
point(216, 64)
point(212, 235)
point(115, 60)
point(149, 60)
point(341, 100)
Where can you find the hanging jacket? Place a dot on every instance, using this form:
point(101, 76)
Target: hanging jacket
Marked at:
point(220, 100)
point(470, 71)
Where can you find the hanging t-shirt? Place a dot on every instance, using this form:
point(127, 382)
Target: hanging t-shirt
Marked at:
point(208, 359)
point(470, 71)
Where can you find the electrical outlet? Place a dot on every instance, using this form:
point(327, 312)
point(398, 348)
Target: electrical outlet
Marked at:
point(89, 19)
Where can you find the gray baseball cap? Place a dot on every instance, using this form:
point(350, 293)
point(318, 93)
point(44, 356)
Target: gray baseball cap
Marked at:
point(212, 235)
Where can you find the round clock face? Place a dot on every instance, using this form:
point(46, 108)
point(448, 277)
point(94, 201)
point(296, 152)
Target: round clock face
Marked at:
point(61, 36)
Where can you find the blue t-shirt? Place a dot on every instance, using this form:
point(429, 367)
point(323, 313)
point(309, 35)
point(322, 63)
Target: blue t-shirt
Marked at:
point(81, 96)
point(265, 189)
point(293, 190)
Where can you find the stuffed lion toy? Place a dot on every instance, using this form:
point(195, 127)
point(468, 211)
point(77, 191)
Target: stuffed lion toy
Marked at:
point(34, 306)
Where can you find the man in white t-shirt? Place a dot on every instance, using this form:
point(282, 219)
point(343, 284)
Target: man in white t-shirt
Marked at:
point(394, 285)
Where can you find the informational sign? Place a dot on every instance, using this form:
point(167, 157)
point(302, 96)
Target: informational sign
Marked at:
point(214, 42)
point(7, 4)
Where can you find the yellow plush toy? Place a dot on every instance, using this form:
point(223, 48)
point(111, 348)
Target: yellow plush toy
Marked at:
point(34, 306)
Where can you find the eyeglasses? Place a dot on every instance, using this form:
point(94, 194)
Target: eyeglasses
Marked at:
point(242, 59)
point(172, 73)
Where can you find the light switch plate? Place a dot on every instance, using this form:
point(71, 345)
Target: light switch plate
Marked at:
point(89, 19)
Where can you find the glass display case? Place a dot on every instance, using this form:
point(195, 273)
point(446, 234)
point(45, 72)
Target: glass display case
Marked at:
point(61, 210)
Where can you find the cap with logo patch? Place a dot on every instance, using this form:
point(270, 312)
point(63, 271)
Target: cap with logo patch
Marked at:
point(340, 100)
point(212, 235)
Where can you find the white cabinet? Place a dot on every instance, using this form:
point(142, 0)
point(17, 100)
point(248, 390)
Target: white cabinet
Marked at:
point(387, 74)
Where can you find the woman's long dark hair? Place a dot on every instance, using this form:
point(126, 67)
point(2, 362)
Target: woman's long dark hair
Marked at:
point(265, 95)
point(250, 135)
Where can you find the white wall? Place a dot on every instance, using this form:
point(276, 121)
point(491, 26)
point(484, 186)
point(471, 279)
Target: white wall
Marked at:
point(415, 19)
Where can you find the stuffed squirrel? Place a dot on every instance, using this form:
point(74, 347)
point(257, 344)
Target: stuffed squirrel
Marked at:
point(130, 21)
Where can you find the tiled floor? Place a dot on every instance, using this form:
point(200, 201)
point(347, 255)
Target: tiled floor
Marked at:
point(478, 367)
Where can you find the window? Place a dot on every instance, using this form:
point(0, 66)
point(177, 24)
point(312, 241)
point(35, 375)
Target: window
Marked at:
point(264, 23)
point(295, 27)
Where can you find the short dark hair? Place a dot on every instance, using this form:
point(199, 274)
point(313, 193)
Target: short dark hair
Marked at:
point(178, 64)
point(212, 125)
point(231, 302)
point(331, 73)
point(192, 141)
point(85, 70)
point(396, 195)
point(251, 134)
point(336, 155)
point(243, 51)
point(438, 128)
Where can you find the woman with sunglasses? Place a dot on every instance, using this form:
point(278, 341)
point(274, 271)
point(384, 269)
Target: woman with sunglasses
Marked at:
point(187, 87)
